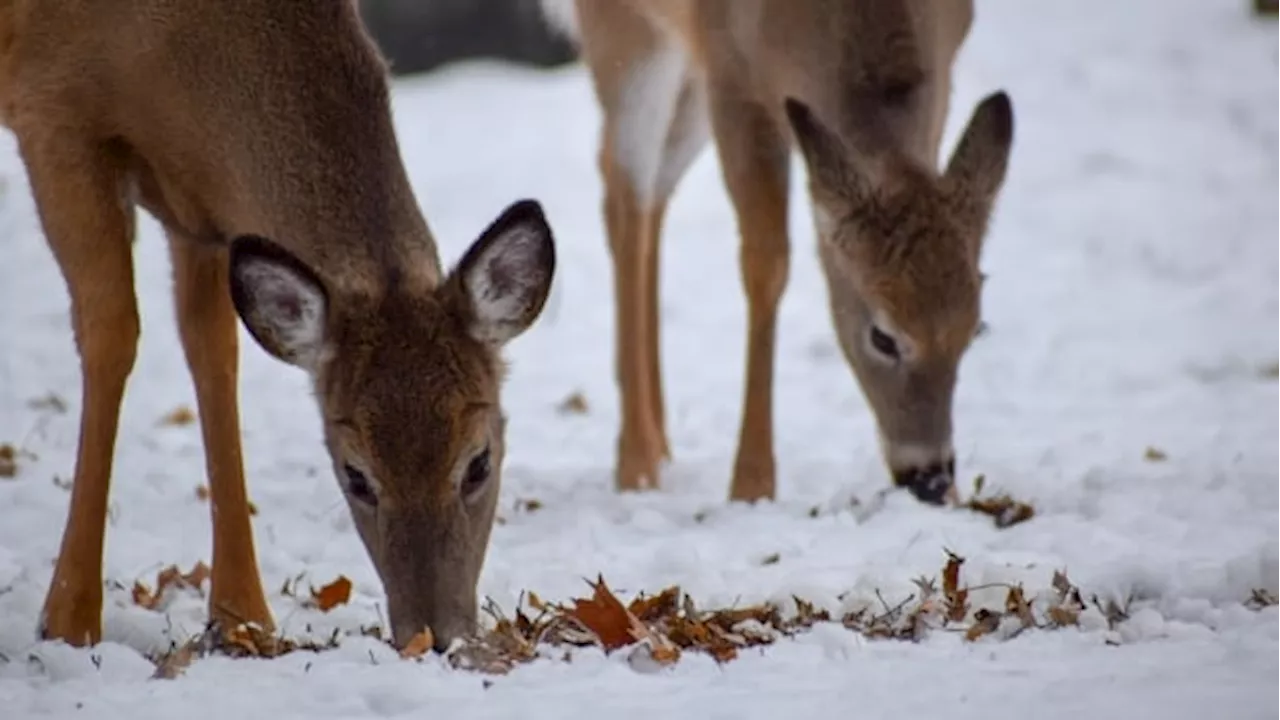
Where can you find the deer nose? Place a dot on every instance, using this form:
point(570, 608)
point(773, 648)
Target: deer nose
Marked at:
point(930, 483)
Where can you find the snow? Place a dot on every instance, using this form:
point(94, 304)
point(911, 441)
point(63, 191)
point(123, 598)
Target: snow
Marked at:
point(1132, 302)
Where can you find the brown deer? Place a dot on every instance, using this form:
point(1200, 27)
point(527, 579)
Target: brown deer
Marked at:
point(862, 87)
point(259, 133)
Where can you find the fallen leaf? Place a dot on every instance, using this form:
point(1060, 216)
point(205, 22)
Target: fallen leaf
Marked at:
point(528, 505)
point(1003, 509)
point(143, 597)
point(1016, 604)
point(604, 615)
point(8, 460)
point(332, 595)
point(951, 575)
point(978, 483)
point(771, 559)
point(1260, 598)
point(1155, 454)
point(202, 492)
point(1063, 616)
point(575, 404)
point(985, 622)
point(649, 608)
point(418, 645)
point(179, 416)
point(175, 662)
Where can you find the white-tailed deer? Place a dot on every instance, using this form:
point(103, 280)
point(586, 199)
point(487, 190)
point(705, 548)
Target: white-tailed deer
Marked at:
point(259, 133)
point(862, 87)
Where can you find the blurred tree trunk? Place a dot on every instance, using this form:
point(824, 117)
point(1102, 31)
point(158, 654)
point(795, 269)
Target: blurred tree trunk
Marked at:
point(422, 35)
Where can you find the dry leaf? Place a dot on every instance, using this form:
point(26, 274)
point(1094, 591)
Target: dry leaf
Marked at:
point(202, 494)
point(419, 644)
point(604, 615)
point(143, 597)
point(8, 460)
point(1155, 454)
point(951, 574)
point(528, 505)
point(181, 415)
point(332, 595)
point(175, 662)
point(1016, 604)
point(771, 559)
point(1003, 509)
point(649, 608)
point(1260, 598)
point(1063, 616)
point(575, 404)
point(985, 622)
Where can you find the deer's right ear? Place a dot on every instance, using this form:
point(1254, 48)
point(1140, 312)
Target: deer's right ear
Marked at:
point(506, 275)
point(281, 301)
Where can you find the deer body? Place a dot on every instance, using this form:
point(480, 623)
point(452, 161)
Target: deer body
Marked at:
point(861, 88)
point(259, 134)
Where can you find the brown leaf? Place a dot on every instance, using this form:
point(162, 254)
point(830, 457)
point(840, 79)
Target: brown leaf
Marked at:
point(985, 622)
point(951, 575)
point(202, 492)
point(1063, 616)
point(143, 597)
point(179, 416)
point(604, 615)
point(1061, 583)
point(1015, 603)
point(958, 606)
point(1004, 510)
point(175, 662)
point(1155, 454)
point(1260, 598)
point(8, 460)
point(332, 595)
point(197, 575)
point(575, 404)
point(651, 608)
point(528, 505)
point(418, 645)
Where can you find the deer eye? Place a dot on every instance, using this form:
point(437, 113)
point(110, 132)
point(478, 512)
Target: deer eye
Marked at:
point(358, 486)
point(884, 343)
point(477, 473)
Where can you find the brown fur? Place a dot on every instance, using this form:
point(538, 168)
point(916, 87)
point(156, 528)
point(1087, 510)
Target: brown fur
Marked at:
point(259, 133)
point(862, 88)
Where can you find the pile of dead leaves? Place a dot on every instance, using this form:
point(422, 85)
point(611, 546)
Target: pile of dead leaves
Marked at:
point(659, 628)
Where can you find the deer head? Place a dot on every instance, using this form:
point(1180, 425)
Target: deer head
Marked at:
point(408, 387)
point(900, 246)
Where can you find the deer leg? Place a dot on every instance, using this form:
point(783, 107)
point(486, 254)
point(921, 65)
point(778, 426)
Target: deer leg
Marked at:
point(754, 160)
point(686, 137)
point(77, 190)
point(207, 324)
point(632, 246)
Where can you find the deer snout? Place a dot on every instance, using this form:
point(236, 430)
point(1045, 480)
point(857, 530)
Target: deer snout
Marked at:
point(931, 484)
point(927, 473)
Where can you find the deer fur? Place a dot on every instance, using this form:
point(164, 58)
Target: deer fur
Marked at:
point(259, 133)
point(861, 88)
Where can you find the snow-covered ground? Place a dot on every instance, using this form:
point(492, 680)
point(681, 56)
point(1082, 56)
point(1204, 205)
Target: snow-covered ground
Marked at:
point(1132, 303)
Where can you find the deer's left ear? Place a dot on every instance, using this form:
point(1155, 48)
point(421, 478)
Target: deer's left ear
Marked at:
point(506, 275)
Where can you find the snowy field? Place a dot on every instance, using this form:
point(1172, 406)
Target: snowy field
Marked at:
point(1132, 304)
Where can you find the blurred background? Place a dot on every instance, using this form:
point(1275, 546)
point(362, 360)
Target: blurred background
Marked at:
point(421, 35)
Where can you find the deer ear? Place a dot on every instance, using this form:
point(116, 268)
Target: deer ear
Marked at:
point(981, 158)
point(506, 274)
point(848, 166)
point(281, 301)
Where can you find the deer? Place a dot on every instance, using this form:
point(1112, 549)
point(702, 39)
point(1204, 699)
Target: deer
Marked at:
point(861, 88)
point(259, 134)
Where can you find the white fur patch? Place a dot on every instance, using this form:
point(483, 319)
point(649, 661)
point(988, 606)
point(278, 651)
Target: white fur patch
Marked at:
point(641, 122)
point(288, 311)
point(562, 16)
point(505, 281)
